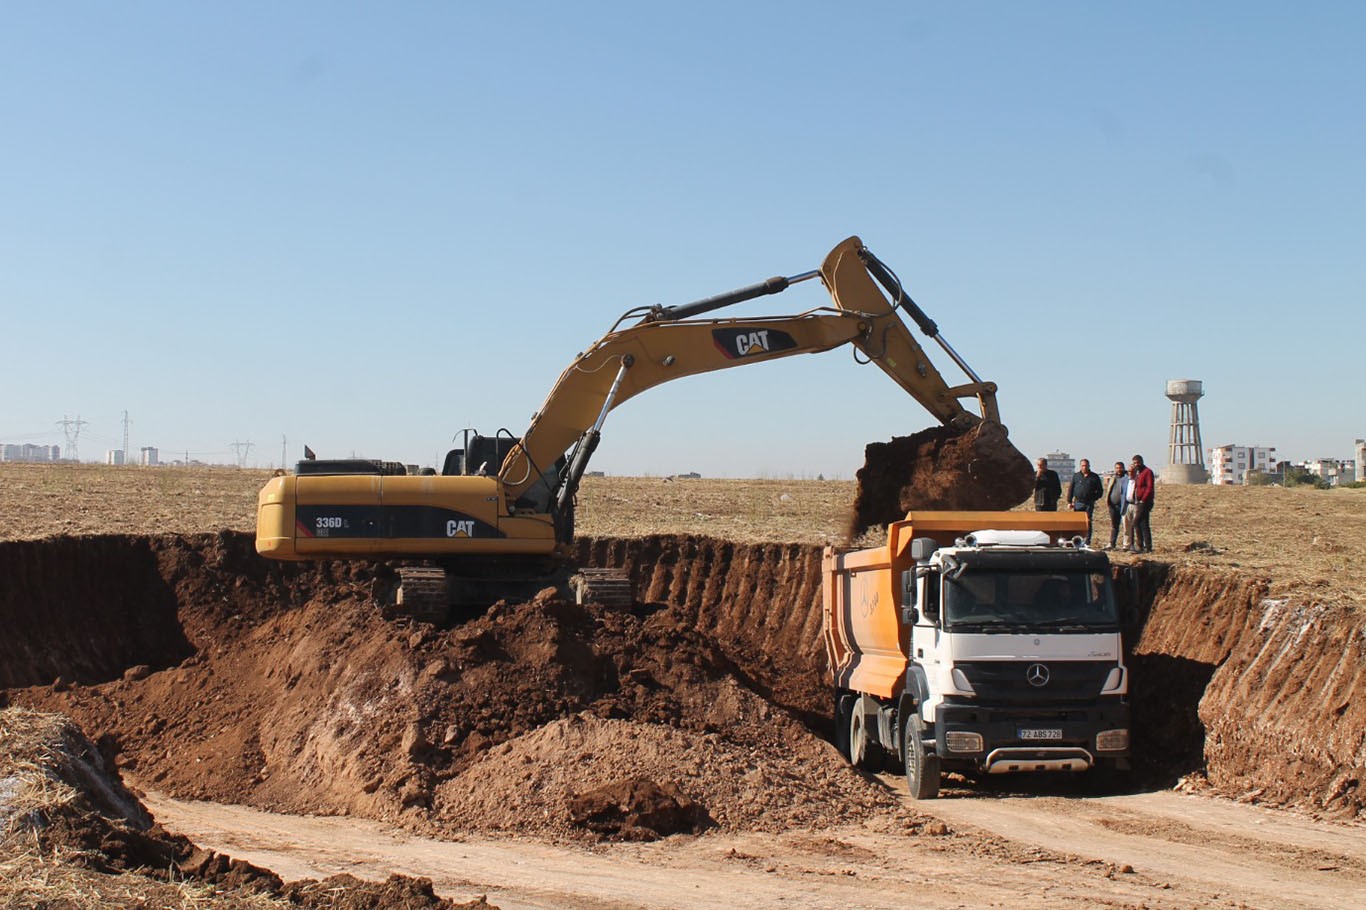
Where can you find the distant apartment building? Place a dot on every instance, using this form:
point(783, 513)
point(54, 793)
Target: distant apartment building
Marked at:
point(114, 456)
point(1361, 460)
point(1332, 470)
point(1063, 463)
point(1230, 464)
point(149, 457)
point(28, 452)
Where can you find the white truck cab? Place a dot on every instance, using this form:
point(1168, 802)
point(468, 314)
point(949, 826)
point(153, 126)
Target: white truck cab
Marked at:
point(1010, 647)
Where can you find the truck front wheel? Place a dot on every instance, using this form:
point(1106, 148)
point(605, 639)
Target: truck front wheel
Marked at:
point(922, 768)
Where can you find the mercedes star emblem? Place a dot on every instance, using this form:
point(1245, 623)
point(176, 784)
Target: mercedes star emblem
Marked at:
point(1037, 675)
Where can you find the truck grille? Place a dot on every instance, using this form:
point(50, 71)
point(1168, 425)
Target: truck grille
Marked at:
point(1036, 680)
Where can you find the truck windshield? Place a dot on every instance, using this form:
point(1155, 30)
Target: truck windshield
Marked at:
point(999, 601)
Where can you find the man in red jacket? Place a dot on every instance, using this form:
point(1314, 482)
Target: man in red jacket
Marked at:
point(1141, 503)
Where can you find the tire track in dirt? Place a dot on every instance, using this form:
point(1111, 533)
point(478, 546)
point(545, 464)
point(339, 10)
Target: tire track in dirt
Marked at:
point(869, 866)
point(1263, 857)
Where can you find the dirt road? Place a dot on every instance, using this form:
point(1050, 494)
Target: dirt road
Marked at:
point(1146, 850)
point(1260, 857)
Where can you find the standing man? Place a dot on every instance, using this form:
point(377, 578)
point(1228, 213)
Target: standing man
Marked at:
point(1116, 490)
point(1141, 490)
point(1047, 488)
point(1084, 492)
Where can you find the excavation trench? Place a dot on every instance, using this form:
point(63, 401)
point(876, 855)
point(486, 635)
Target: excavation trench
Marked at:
point(209, 673)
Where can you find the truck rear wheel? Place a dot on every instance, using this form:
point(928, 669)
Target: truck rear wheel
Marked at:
point(865, 753)
point(922, 768)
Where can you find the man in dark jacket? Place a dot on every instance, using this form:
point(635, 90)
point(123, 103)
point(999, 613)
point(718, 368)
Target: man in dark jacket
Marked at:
point(1084, 492)
point(1047, 488)
point(1116, 497)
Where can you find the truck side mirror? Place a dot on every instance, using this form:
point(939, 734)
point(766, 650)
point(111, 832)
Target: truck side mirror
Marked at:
point(909, 615)
point(922, 548)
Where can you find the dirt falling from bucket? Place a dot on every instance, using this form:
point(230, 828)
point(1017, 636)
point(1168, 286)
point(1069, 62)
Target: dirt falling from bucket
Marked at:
point(939, 469)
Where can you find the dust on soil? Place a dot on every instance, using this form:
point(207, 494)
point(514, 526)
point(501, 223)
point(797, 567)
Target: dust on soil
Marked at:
point(939, 469)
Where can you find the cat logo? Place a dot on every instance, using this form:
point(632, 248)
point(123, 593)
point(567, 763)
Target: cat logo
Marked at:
point(748, 342)
point(455, 528)
point(754, 342)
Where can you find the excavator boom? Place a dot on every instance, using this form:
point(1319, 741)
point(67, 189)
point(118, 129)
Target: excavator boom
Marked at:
point(668, 343)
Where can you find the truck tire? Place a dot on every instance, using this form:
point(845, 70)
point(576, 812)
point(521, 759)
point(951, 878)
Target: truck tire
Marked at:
point(865, 753)
point(844, 703)
point(922, 768)
point(1104, 779)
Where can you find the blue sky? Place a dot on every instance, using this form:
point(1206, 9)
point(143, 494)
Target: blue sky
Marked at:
point(366, 226)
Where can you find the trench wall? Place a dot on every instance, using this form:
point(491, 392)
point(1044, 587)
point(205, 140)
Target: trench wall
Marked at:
point(83, 610)
point(761, 602)
point(1275, 689)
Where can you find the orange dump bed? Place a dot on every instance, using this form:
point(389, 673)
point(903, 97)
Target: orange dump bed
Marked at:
point(866, 635)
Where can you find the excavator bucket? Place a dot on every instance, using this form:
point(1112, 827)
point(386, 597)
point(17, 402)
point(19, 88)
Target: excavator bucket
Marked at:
point(940, 469)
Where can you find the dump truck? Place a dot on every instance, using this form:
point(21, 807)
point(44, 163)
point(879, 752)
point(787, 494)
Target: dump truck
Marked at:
point(498, 521)
point(977, 642)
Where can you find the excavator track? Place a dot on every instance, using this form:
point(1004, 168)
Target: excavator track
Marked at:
point(609, 587)
point(421, 594)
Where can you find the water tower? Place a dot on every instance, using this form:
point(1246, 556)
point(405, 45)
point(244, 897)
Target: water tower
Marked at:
point(1185, 455)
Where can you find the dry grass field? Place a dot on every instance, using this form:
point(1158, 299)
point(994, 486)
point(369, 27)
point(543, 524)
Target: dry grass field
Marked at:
point(1299, 537)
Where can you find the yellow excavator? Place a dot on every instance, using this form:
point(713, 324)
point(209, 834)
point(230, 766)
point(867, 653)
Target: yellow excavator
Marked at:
point(498, 521)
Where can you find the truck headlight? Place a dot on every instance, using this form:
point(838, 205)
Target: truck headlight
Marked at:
point(1114, 681)
point(960, 741)
point(960, 682)
point(1112, 740)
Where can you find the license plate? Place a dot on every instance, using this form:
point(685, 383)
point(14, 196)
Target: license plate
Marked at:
point(1040, 734)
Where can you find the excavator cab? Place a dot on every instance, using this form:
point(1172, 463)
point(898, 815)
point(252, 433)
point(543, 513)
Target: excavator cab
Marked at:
point(482, 455)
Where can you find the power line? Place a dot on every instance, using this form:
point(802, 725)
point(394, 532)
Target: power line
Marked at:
point(72, 430)
point(241, 450)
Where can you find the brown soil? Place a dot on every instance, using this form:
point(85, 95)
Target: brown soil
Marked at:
point(300, 697)
point(939, 468)
point(61, 800)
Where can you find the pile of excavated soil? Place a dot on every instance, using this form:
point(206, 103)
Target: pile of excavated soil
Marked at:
point(939, 469)
point(782, 779)
point(71, 834)
point(299, 696)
